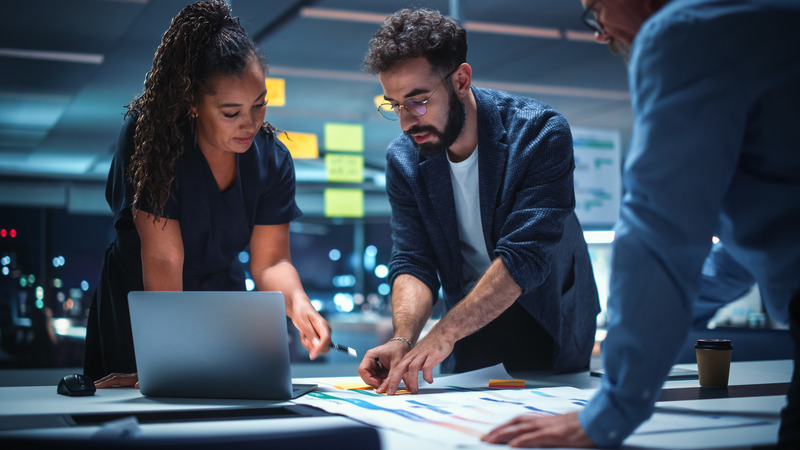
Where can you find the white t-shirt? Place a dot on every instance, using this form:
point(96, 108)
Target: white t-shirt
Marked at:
point(464, 178)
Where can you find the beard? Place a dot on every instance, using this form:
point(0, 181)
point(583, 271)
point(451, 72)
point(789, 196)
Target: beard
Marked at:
point(456, 118)
point(619, 48)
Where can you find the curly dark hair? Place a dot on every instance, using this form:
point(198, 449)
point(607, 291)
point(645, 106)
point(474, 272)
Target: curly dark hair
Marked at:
point(202, 41)
point(408, 34)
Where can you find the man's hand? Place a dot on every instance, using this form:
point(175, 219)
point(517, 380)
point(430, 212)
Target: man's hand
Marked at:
point(388, 355)
point(493, 294)
point(118, 380)
point(428, 352)
point(541, 431)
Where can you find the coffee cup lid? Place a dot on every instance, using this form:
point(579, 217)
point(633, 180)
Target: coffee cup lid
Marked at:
point(714, 344)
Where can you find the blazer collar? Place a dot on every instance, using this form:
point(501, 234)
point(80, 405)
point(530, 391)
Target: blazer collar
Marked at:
point(492, 159)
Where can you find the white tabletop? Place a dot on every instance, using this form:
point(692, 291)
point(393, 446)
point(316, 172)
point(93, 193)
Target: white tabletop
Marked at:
point(25, 404)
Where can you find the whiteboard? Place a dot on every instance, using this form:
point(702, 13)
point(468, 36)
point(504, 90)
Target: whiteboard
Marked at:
point(598, 179)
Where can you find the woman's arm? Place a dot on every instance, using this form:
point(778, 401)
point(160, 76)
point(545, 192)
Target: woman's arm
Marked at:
point(272, 270)
point(162, 270)
point(162, 252)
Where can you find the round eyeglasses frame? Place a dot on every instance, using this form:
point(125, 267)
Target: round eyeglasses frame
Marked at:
point(588, 17)
point(413, 106)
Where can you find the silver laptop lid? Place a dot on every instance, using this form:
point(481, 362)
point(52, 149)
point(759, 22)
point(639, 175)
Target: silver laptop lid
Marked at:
point(211, 344)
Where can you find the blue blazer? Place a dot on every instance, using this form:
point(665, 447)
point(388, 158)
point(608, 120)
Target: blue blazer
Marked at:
point(527, 201)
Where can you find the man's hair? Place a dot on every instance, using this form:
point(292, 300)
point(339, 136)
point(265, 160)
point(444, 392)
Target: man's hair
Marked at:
point(408, 34)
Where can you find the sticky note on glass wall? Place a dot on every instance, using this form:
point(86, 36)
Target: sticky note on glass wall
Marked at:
point(344, 137)
point(276, 91)
point(301, 145)
point(342, 202)
point(344, 168)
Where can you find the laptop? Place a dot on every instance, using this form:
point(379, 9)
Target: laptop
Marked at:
point(212, 345)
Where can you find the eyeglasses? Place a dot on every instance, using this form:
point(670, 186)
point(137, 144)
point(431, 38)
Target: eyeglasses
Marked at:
point(588, 17)
point(413, 106)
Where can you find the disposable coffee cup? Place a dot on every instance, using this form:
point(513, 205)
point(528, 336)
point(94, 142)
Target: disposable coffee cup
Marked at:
point(713, 361)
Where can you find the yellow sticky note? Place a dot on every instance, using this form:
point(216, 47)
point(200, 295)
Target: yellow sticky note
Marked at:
point(301, 145)
point(507, 383)
point(340, 202)
point(352, 386)
point(399, 392)
point(344, 168)
point(276, 91)
point(344, 137)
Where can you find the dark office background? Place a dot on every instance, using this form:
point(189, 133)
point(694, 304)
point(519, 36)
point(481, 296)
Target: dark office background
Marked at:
point(68, 68)
point(50, 262)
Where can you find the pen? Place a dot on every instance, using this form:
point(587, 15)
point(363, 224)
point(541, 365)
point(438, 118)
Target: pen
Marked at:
point(344, 348)
point(378, 364)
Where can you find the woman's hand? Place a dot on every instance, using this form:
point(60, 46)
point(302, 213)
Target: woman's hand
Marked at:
point(315, 333)
point(272, 269)
point(118, 380)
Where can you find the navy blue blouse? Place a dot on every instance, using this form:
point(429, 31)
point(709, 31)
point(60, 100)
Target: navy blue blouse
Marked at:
point(215, 227)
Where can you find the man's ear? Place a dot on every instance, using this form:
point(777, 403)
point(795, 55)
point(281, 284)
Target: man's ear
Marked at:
point(462, 78)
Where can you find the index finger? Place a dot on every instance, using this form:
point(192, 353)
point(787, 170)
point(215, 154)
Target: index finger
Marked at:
point(323, 342)
point(396, 374)
point(315, 335)
point(411, 376)
point(322, 328)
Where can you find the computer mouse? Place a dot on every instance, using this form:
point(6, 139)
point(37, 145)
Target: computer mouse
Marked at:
point(76, 385)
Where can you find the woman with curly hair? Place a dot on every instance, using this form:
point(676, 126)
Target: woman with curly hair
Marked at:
point(197, 176)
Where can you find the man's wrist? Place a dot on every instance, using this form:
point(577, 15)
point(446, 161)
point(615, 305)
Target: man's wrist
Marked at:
point(402, 339)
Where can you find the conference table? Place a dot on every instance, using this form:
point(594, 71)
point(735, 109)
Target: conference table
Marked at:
point(744, 415)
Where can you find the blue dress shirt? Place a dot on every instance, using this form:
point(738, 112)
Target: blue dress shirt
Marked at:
point(715, 88)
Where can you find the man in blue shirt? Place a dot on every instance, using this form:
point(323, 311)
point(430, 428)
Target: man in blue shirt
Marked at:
point(715, 89)
point(481, 188)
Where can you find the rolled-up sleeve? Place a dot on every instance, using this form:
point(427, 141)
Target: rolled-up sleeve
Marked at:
point(543, 196)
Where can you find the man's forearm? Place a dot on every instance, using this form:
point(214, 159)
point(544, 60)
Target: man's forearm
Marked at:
point(493, 294)
point(412, 302)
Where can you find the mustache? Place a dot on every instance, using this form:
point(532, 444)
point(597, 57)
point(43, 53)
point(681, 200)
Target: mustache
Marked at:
point(420, 129)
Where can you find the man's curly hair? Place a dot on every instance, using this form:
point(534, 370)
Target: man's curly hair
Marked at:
point(202, 41)
point(408, 34)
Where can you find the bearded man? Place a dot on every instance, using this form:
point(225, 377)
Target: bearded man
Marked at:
point(481, 188)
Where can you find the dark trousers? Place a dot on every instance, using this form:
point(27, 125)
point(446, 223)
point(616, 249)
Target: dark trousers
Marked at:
point(789, 434)
point(514, 338)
